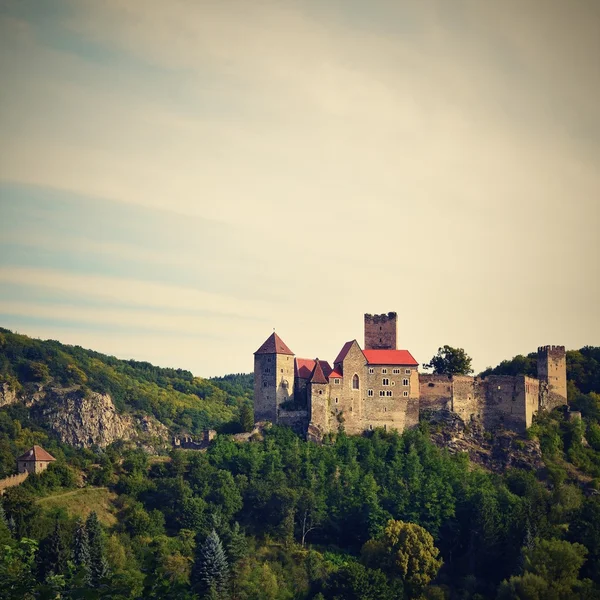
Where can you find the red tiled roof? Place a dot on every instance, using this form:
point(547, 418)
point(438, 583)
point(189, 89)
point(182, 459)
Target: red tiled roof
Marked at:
point(335, 373)
point(274, 345)
point(305, 366)
point(345, 349)
point(36, 453)
point(390, 357)
point(318, 376)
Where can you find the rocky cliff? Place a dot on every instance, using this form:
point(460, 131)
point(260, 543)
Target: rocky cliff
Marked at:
point(84, 418)
point(495, 451)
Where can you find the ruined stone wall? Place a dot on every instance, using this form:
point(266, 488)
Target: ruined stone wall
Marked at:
point(552, 373)
point(435, 392)
point(381, 331)
point(532, 399)
point(504, 402)
point(295, 419)
point(468, 400)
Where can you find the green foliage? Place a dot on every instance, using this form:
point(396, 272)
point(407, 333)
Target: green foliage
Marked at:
point(405, 550)
point(210, 571)
point(450, 361)
point(174, 396)
point(98, 565)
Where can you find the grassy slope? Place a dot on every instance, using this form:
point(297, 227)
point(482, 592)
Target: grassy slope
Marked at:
point(81, 502)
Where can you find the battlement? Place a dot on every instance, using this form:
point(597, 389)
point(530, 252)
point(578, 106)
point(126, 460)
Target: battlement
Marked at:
point(383, 318)
point(551, 350)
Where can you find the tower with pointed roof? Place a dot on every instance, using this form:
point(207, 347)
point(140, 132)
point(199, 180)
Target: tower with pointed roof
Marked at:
point(273, 378)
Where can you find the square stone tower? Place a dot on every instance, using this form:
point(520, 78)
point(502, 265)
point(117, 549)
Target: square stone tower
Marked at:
point(552, 373)
point(381, 331)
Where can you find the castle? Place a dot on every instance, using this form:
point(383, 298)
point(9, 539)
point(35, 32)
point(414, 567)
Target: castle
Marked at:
point(380, 386)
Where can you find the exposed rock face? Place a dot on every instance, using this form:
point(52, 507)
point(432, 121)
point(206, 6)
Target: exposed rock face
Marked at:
point(7, 395)
point(83, 418)
point(496, 451)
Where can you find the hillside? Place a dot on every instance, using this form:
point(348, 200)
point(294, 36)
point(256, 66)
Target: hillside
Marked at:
point(293, 519)
point(88, 398)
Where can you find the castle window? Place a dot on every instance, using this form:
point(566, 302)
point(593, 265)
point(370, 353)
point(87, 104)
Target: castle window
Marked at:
point(384, 427)
point(282, 370)
point(336, 380)
point(371, 370)
point(355, 382)
point(407, 371)
point(431, 384)
point(405, 394)
point(267, 370)
point(396, 371)
point(405, 382)
point(336, 400)
point(320, 392)
point(269, 359)
point(393, 383)
point(385, 381)
point(382, 392)
point(265, 383)
point(389, 393)
point(384, 371)
point(369, 392)
point(371, 427)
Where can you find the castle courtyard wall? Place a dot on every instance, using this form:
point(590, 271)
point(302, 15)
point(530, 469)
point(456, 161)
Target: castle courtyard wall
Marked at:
point(435, 392)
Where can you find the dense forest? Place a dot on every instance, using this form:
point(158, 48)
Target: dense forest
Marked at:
point(385, 516)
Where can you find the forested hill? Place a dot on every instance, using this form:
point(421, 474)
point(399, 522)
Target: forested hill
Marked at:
point(174, 396)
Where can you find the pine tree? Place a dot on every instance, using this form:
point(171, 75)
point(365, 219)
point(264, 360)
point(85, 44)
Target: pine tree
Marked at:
point(81, 549)
point(210, 570)
point(98, 565)
point(53, 554)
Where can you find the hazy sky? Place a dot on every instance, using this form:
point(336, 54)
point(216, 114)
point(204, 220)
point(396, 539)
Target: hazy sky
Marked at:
point(178, 178)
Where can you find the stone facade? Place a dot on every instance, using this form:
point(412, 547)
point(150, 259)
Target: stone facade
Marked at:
point(381, 386)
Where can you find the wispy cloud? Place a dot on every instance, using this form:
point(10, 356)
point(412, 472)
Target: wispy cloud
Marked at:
point(304, 162)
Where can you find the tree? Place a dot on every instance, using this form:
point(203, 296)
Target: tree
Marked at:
point(405, 550)
point(210, 571)
point(246, 417)
point(450, 361)
point(53, 554)
point(98, 565)
point(81, 549)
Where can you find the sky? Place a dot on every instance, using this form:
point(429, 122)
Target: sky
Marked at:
point(179, 178)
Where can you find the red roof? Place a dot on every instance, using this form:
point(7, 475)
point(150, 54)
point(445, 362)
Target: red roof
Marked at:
point(35, 454)
point(318, 376)
point(335, 373)
point(390, 357)
point(306, 366)
point(274, 345)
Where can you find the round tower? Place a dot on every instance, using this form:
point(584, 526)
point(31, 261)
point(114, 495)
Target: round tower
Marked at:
point(273, 378)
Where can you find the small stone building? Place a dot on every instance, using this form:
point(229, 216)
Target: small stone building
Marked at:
point(35, 460)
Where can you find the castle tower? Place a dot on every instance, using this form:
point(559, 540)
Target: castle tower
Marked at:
point(273, 378)
point(552, 373)
point(319, 398)
point(381, 331)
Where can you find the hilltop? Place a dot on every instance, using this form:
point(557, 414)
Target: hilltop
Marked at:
point(87, 398)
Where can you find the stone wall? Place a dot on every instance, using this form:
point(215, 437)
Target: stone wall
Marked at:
point(468, 400)
point(435, 392)
point(381, 331)
point(273, 384)
point(319, 405)
point(12, 481)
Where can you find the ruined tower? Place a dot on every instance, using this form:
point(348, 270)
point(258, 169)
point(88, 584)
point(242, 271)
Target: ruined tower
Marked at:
point(552, 374)
point(273, 378)
point(381, 331)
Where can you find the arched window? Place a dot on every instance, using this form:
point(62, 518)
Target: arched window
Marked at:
point(355, 382)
